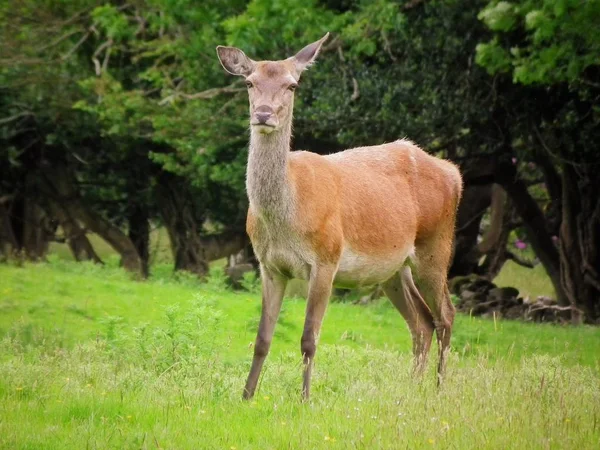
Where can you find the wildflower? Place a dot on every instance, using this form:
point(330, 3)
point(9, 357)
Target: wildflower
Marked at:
point(520, 244)
point(567, 420)
point(19, 388)
point(431, 441)
point(329, 439)
point(514, 161)
point(128, 417)
point(283, 423)
point(232, 448)
point(202, 411)
point(266, 397)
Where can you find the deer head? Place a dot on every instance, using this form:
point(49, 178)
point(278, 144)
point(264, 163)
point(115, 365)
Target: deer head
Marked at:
point(271, 84)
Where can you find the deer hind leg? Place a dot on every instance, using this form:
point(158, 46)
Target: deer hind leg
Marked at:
point(432, 261)
point(319, 291)
point(403, 294)
point(273, 288)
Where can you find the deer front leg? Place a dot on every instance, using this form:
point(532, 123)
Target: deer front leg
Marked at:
point(273, 288)
point(319, 290)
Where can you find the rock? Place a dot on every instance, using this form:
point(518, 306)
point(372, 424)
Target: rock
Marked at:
point(514, 312)
point(473, 297)
point(503, 293)
point(481, 285)
point(456, 283)
point(236, 274)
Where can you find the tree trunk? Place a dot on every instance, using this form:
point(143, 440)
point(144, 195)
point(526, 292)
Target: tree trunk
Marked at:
point(62, 189)
point(494, 244)
point(80, 246)
point(474, 203)
point(580, 239)
point(8, 240)
point(223, 245)
point(192, 251)
point(179, 218)
point(139, 233)
point(534, 223)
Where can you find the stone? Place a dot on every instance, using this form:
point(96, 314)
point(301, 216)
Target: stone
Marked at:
point(503, 293)
point(236, 274)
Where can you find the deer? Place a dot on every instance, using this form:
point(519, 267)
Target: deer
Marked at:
point(360, 217)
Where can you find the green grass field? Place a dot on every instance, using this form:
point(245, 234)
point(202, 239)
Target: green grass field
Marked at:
point(90, 359)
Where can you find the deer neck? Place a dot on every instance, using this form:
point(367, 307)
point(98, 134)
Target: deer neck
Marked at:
point(267, 176)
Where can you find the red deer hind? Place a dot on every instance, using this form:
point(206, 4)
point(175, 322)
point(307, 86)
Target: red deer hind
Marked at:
point(359, 217)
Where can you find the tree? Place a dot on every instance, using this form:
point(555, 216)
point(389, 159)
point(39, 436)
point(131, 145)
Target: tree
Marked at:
point(552, 49)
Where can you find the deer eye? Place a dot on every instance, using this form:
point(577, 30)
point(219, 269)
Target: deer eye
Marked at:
point(249, 84)
point(292, 87)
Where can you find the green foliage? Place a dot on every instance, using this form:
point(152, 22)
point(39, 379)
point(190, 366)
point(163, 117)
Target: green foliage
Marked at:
point(250, 282)
point(561, 41)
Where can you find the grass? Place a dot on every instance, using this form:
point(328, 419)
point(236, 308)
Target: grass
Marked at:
point(530, 282)
point(90, 359)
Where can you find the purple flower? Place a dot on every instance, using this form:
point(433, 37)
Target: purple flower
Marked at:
point(520, 244)
point(514, 160)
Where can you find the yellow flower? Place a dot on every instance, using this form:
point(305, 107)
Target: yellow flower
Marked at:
point(266, 397)
point(329, 438)
point(232, 448)
point(19, 388)
point(431, 441)
point(567, 420)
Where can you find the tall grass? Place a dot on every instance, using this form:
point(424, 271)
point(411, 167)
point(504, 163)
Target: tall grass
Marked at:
point(89, 359)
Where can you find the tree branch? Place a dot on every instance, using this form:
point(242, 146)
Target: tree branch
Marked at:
point(519, 260)
point(76, 46)
point(97, 65)
point(208, 94)
point(16, 116)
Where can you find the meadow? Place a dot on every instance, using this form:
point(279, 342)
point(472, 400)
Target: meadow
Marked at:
point(91, 359)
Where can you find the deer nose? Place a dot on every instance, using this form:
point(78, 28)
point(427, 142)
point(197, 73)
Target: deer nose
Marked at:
point(263, 114)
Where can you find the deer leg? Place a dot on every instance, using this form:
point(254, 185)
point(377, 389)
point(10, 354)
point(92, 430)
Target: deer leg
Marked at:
point(403, 294)
point(273, 288)
point(319, 290)
point(432, 266)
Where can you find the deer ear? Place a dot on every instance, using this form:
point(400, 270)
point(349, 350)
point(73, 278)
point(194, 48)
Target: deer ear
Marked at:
point(305, 57)
point(235, 61)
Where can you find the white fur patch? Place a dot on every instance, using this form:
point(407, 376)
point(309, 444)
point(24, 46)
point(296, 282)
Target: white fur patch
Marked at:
point(356, 269)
